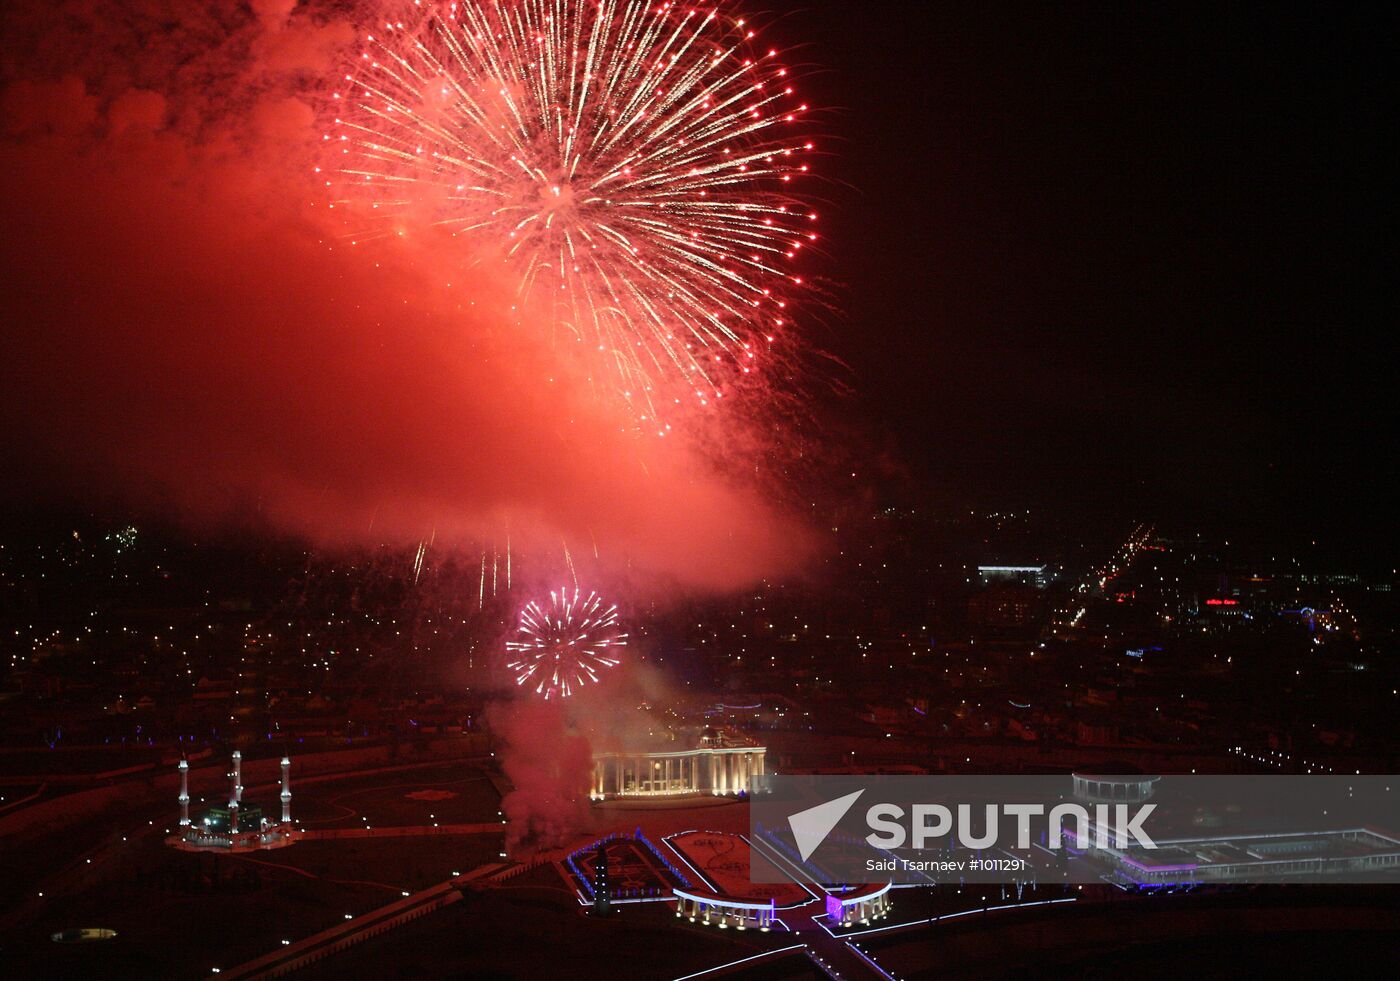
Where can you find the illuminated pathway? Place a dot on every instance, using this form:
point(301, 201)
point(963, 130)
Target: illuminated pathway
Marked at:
point(840, 954)
point(831, 953)
point(404, 831)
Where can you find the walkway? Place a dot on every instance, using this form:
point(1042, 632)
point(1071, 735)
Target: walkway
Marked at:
point(337, 938)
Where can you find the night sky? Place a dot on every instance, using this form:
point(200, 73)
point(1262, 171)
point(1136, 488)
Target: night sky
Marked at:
point(1125, 261)
point(1119, 255)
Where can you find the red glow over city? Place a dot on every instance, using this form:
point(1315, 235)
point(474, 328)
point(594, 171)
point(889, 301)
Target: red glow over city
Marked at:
point(800, 490)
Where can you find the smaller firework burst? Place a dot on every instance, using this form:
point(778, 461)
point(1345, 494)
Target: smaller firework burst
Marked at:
point(562, 646)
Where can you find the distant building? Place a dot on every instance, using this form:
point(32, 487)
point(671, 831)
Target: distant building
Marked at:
point(1038, 576)
point(1114, 783)
point(1006, 608)
point(1095, 732)
point(1251, 857)
point(1172, 861)
point(724, 763)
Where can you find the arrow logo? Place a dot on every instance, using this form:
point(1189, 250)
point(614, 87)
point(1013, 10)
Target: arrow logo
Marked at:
point(810, 827)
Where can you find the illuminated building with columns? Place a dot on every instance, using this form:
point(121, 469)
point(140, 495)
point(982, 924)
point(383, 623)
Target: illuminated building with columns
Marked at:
point(723, 911)
point(722, 765)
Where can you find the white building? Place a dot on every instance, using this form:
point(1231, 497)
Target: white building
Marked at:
point(717, 767)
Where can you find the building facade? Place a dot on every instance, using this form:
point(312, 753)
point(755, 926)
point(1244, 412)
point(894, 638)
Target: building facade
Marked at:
point(715, 770)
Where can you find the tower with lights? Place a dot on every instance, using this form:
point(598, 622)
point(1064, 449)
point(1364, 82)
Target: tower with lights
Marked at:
point(286, 795)
point(602, 889)
point(184, 792)
point(239, 824)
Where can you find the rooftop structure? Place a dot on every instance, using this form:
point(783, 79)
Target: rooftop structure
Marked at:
point(1235, 857)
point(1038, 576)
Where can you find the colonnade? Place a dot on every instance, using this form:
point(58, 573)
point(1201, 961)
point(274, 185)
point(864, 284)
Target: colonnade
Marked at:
point(1129, 790)
point(717, 911)
point(714, 771)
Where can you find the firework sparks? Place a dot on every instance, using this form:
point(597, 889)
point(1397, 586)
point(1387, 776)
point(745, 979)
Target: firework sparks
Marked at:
point(631, 163)
point(563, 646)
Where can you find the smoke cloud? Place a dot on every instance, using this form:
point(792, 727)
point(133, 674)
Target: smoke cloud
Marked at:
point(189, 329)
point(549, 766)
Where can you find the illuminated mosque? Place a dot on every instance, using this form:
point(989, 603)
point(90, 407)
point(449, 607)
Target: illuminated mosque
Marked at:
point(237, 825)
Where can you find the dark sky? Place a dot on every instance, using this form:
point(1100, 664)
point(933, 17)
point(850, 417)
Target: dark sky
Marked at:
point(1121, 255)
point(1124, 260)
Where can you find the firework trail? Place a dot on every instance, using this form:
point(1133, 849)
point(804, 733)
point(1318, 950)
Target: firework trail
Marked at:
point(418, 561)
point(630, 163)
point(564, 646)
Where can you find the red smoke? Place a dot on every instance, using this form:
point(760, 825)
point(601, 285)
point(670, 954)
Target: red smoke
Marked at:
point(549, 767)
point(186, 328)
